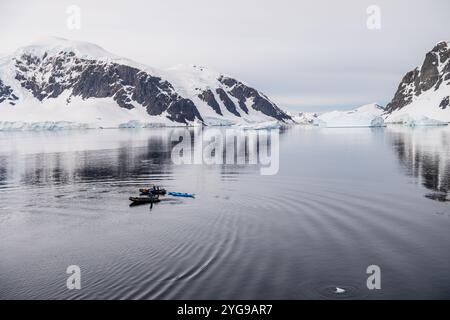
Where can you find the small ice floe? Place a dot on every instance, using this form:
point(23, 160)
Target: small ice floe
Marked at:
point(339, 290)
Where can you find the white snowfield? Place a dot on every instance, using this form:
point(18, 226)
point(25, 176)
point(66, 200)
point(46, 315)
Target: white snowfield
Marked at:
point(306, 118)
point(369, 115)
point(188, 79)
point(59, 113)
point(428, 108)
point(424, 110)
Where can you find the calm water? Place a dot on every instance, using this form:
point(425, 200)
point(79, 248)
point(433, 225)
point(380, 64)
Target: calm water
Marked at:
point(343, 199)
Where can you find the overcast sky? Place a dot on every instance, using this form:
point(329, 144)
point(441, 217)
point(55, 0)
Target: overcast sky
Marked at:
point(305, 55)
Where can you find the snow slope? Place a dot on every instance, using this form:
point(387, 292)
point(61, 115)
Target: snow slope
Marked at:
point(425, 106)
point(423, 96)
point(306, 118)
point(369, 115)
point(56, 82)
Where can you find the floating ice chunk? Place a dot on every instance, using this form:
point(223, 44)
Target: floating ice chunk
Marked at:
point(339, 290)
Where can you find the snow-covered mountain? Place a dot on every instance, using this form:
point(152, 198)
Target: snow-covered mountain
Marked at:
point(369, 115)
point(306, 118)
point(57, 81)
point(424, 93)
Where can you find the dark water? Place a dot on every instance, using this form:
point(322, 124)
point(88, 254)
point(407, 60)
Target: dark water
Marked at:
point(343, 199)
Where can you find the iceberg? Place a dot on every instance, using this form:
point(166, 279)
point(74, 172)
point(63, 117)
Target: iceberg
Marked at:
point(369, 115)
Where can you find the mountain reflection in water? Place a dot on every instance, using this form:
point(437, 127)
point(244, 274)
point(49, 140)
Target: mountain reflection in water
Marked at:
point(424, 153)
point(339, 203)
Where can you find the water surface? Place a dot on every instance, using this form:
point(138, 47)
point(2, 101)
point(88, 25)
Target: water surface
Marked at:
point(343, 199)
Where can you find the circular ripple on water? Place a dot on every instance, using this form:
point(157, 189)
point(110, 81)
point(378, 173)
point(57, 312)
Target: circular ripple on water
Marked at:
point(327, 290)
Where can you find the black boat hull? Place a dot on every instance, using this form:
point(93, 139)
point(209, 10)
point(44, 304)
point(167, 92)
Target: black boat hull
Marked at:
point(143, 200)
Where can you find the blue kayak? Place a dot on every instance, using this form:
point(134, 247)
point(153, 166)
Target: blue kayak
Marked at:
point(181, 194)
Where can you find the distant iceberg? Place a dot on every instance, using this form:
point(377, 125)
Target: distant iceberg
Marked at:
point(369, 115)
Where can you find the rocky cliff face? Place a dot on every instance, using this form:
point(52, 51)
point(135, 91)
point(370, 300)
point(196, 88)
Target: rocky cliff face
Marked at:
point(51, 74)
point(432, 77)
point(6, 94)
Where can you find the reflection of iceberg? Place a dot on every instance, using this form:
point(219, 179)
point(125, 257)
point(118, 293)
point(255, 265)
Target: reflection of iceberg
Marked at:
point(425, 155)
point(365, 116)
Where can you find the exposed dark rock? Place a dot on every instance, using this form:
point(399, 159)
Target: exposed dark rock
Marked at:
point(433, 74)
point(444, 103)
point(182, 110)
point(6, 93)
point(97, 79)
point(49, 76)
point(429, 73)
point(405, 91)
point(208, 97)
point(227, 102)
point(442, 49)
point(259, 102)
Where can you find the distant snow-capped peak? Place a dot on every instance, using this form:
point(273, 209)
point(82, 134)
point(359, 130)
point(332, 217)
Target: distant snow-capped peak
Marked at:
point(56, 71)
point(424, 91)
